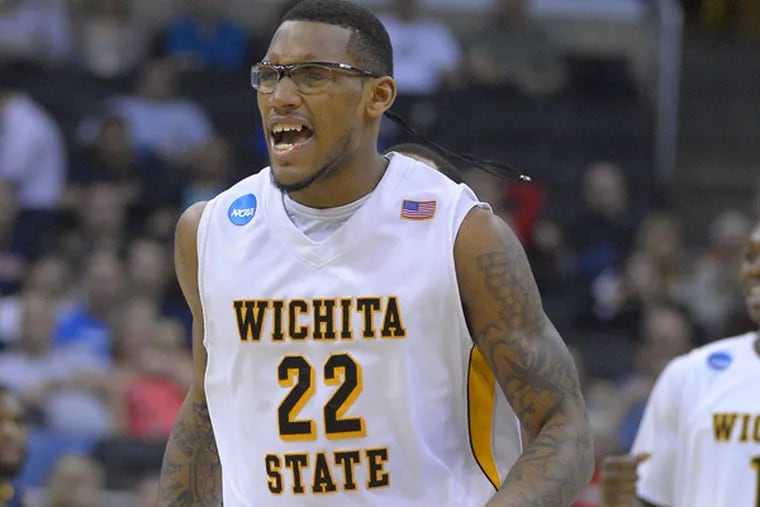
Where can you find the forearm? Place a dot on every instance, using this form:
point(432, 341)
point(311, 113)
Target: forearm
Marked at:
point(191, 473)
point(553, 468)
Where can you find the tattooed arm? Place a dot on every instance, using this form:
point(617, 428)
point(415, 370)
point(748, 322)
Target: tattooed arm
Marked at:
point(191, 474)
point(530, 362)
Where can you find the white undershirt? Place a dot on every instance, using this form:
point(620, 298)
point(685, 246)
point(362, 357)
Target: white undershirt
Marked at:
point(319, 224)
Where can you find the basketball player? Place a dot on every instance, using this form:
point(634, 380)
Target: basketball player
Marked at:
point(699, 440)
point(349, 309)
point(13, 441)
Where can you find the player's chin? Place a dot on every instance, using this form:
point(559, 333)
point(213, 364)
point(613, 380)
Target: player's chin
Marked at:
point(291, 177)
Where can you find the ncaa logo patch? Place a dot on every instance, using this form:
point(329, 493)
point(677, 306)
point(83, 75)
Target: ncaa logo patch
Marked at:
point(242, 210)
point(719, 360)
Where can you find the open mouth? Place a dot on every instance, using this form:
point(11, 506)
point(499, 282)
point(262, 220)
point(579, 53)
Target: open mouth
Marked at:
point(285, 137)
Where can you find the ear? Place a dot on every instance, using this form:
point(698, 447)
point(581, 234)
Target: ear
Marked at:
point(381, 96)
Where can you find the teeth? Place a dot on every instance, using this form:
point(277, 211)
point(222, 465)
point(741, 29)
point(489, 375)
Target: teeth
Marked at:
point(283, 146)
point(280, 127)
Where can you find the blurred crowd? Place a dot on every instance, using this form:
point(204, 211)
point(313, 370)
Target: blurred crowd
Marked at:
point(94, 333)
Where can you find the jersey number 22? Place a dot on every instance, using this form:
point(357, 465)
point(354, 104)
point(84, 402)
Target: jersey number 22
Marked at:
point(339, 370)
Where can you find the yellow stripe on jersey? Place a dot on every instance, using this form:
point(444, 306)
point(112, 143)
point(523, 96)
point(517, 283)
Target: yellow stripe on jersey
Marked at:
point(481, 399)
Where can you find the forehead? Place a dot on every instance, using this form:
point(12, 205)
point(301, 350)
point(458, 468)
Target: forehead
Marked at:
point(303, 41)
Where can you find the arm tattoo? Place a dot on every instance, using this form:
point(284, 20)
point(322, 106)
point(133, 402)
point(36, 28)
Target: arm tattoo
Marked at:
point(191, 472)
point(538, 376)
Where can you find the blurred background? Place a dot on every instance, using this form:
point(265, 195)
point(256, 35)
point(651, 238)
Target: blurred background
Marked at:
point(639, 121)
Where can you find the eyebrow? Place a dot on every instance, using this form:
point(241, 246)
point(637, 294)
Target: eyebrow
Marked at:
point(304, 57)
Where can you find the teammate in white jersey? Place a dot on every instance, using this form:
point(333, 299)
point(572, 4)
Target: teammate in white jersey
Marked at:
point(699, 440)
point(360, 320)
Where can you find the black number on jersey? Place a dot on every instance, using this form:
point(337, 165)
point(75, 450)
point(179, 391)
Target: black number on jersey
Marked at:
point(297, 373)
point(335, 425)
point(756, 466)
point(295, 369)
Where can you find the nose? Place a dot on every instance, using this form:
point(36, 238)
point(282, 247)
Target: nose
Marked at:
point(285, 94)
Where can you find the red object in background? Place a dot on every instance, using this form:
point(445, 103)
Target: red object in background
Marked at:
point(590, 496)
point(152, 406)
point(527, 204)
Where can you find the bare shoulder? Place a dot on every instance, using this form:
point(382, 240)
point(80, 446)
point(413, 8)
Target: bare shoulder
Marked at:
point(482, 231)
point(186, 265)
point(187, 225)
point(186, 251)
point(491, 264)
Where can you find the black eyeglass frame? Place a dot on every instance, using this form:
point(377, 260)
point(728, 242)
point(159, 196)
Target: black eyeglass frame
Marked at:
point(287, 70)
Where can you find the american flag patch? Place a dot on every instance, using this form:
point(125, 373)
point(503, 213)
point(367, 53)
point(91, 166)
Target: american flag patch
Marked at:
point(418, 210)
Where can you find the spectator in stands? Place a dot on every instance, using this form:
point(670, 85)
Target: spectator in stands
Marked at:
point(12, 261)
point(553, 263)
point(33, 158)
point(659, 252)
point(714, 296)
point(205, 38)
point(13, 446)
point(136, 324)
point(63, 389)
point(164, 373)
point(100, 221)
point(426, 54)
point(602, 232)
point(153, 371)
point(35, 31)
point(147, 181)
point(49, 275)
point(87, 326)
point(510, 50)
point(666, 332)
point(111, 42)
point(158, 118)
point(210, 172)
point(148, 266)
point(76, 481)
point(655, 269)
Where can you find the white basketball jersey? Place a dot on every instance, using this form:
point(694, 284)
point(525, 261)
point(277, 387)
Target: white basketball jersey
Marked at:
point(702, 427)
point(342, 372)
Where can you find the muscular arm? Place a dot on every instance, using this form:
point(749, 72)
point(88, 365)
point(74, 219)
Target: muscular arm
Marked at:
point(530, 362)
point(191, 474)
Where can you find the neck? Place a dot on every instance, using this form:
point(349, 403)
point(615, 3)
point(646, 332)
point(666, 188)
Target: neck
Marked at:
point(353, 180)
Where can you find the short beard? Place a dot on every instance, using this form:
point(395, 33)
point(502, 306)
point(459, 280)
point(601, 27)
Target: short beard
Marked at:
point(329, 169)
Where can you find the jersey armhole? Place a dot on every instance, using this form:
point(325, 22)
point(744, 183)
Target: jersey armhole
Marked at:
point(201, 240)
